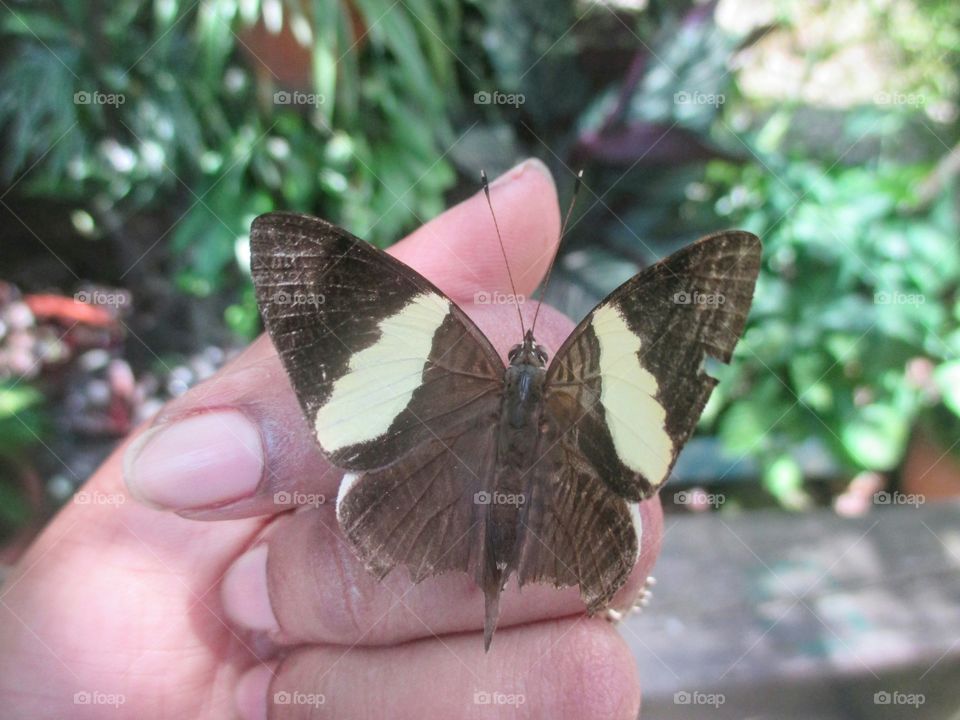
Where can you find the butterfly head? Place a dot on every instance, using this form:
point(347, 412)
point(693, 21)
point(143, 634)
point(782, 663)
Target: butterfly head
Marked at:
point(528, 352)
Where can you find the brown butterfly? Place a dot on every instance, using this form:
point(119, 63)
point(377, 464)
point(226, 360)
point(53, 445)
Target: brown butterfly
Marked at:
point(455, 462)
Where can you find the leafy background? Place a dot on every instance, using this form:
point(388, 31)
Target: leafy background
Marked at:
point(828, 128)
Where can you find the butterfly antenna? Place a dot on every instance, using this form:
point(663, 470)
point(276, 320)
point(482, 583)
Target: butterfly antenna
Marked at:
point(563, 229)
point(516, 299)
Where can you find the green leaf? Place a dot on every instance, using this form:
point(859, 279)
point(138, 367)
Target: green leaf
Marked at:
point(14, 400)
point(783, 479)
point(32, 25)
point(947, 377)
point(875, 438)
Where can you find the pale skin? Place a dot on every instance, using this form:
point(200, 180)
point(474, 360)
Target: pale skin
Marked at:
point(182, 589)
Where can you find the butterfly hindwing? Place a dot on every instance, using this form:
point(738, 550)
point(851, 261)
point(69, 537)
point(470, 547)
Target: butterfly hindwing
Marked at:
point(628, 386)
point(576, 531)
point(420, 512)
point(380, 359)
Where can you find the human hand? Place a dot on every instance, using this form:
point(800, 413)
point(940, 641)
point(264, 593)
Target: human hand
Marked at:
point(205, 597)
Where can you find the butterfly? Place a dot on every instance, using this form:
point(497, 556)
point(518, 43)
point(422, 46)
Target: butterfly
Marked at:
point(457, 461)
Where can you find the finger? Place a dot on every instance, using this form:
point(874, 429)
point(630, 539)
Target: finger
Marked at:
point(459, 250)
point(301, 583)
point(233, 445)
point(574, 668)
point(112, 596)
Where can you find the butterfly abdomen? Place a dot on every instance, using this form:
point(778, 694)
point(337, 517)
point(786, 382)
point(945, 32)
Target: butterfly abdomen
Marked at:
point(518, 432)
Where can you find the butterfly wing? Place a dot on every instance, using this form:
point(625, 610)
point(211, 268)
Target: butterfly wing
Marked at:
point(421, 512)
point(381, 360)
point(629, 384)
point(623, 395)
point(575, 531)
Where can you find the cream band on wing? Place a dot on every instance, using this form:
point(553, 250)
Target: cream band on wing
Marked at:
point(381, 379)
point(628, 393)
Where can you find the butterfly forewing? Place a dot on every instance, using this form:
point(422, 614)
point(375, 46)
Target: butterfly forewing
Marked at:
point(380, 359)
point(628, 386)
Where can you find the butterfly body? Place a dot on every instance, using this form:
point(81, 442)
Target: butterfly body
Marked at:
point(457, 463)
point(519, 437)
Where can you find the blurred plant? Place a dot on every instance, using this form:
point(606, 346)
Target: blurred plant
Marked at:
point(135, 105)
point(856, 326)
point(20, 425)
point(855, 333)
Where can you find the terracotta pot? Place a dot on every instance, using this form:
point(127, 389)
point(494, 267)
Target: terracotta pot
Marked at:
point(930, 469)
point(281, 58)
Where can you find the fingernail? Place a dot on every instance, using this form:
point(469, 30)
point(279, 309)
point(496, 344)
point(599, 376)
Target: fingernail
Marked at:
point(529, 165)
point(246, 600)
point(207, 459)
point(251, 693)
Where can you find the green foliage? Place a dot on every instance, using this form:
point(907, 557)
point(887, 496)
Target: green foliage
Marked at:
point(21, 424)
point(148, 104)
point(858, 282)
